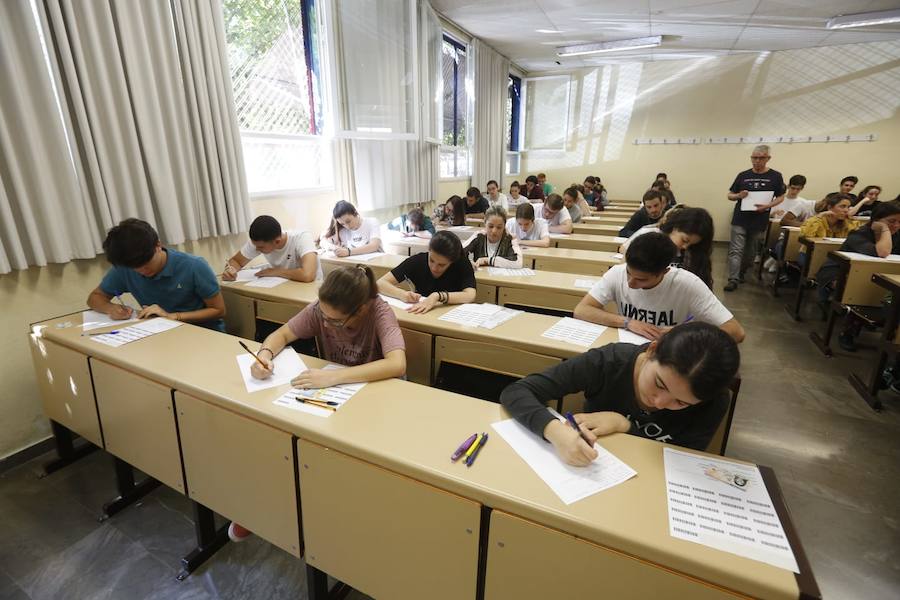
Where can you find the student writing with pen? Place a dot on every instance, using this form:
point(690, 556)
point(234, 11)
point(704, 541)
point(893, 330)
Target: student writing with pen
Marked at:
point(166, 282)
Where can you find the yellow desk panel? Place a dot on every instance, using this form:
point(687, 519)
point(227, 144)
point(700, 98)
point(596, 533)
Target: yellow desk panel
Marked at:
point(485, 293)
point(593, 228)
point(240, 468)
point(240, 315)
point(527, 560)
point(386, 535)
point(489, 357)
point(538, 298)
point(585, 241)
point(276, 312)
point(67, 393)
point(138, 422)
point(418, 355)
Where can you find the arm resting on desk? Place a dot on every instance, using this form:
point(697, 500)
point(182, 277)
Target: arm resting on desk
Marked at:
point(305, 273)
point(564, 227)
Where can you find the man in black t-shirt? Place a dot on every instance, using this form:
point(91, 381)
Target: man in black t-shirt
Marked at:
point(653, 207)
point(754, 192)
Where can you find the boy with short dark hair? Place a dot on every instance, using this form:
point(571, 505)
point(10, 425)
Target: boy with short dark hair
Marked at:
point(166, 282)
point(654, 205)
point(290, 254)
point(476, 204)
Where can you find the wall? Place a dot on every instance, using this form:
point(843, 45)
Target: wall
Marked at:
point(853, 89)
point(42, 292)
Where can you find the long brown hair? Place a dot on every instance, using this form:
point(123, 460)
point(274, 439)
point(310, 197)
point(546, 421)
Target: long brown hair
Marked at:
point(347, 289)
point(340, 209)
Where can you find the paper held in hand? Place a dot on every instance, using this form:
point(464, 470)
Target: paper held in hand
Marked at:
point(748, 204)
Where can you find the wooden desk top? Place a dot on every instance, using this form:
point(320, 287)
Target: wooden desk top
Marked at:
point(594, 228)
point(592, 256)
point(394, 424)
point(889, 282)
point(605, 218)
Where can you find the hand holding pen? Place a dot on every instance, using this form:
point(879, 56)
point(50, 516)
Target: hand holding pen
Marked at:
point(119, 311)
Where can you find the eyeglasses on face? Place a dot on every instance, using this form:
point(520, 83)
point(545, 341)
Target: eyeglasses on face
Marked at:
point(336, 323)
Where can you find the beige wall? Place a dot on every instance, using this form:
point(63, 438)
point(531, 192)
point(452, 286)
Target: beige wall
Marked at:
point(851, 89)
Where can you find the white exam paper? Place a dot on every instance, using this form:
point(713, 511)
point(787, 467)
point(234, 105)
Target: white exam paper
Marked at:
point(620, 240)
point(396, 302)
point(91, 319)
point(569, 483)
point(629, 337)
point(339, 393)
point(749, 202)
point(574, 331)
point(484, 315)
point(585, 283)
point(136, 332)
point(265, 282)
point(503, 271)
point(724, 505)
point(368, 256)
point(249, 273)
point(288, 365)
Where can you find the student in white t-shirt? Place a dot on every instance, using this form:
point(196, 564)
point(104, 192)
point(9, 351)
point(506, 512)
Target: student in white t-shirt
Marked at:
point(290, 254)
point(528, 230)
point(794, 209)
point(495, 197)
point(651, 297)
point(554, 211)
point(349, 234)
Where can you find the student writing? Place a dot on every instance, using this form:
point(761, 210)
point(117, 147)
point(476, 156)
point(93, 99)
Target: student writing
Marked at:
point(349, 234)
point(290, 254)
point(653, 206)
point(670, 390)
point(413, 224)
point(166, 282)
point(555, 213)
point(528, 230)
point(495, 247)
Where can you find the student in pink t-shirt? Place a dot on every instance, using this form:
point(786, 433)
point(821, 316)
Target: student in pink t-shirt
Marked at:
point(356, 328)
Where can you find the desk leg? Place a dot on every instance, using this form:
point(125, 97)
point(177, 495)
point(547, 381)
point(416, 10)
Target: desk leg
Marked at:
point(66, 451)
point(317, 586)
point(835, 308)
point(824, 343)
point(128, 491)
point(869, 391)
point(209, 540)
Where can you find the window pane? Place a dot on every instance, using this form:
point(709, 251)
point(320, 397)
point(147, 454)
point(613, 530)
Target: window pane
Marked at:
point(512, 163)
point(547, 113)
point(286, 164)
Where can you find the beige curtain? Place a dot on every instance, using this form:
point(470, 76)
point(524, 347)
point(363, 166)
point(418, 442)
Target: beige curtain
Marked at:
point(44, 217)
point(491, 80)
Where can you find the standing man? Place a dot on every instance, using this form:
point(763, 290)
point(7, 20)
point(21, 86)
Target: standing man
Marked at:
point(751, 218)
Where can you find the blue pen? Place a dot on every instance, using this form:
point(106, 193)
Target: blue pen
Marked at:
point(572, 422)
point(481, 442)
point(102, 333)
point(689, 319)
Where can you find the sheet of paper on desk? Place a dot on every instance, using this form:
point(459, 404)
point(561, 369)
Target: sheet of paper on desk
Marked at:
point(368, 256)
point(484, 315)
point(749, 202)
point(836, 240)
point(620, 240)
point(396, 302)
point(893, 257)
point(574, 331)
point(724, 505)
point(266, 282)
point(504, 272)
point(288, 365)
point(556, 236)
point(629, 337)
point(249, 273)
point(585, 283)
point(339, 393)
point(569, 483)
point(133, 333)
point(92, 319)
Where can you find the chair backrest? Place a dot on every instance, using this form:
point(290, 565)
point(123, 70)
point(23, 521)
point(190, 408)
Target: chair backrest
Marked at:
point(720, 438)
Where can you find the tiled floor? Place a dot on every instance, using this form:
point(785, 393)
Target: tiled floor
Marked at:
point(837, 460)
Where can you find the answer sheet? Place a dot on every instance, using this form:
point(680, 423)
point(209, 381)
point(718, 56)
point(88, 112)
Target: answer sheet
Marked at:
point(266, 282)
point(585, 283)
point(395, 302)
point(569, 483)
point(724, 505)
point(248, 273)
point(574, 331)
point(338, 394)
point(288, 365)
point(510, 272)
point(137, 332)
point(749, 202)
point(91, 319)
point(630, 337)
point(484, 315)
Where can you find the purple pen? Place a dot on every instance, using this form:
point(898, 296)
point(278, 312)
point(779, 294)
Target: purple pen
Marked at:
point(463, 447)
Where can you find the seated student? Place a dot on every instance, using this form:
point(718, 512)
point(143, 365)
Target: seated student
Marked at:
point(349, 234)
point(528, 230)
point(673, 390)
point(589, 195)
point(515, 198)
point(691, 230)
point(835, 222)
point(556, 214)
point(879, 237)
point(651, 297)
point(356, 328)
point(166, 282)
point(443, 275)
point(454, 212)
point(668, 197)
point(476, 204)
point(413, 224)
point(649, 214)
point(794, 210)
point(533, 190)
point(570, 201)
point(847, 184)
point(601, 194)
point(495, 197)
point(495, 247)
point(868, 200)
point(290, 254)
point(545, 187)
point(582, 203)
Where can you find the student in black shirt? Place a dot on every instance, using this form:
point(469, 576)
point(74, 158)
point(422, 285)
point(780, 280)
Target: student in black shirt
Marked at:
point(476, 204)
point(671, 390)
point(654, 205)
point(443, 275)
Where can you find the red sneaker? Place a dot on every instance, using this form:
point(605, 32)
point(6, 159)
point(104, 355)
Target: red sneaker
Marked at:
point(236, 533)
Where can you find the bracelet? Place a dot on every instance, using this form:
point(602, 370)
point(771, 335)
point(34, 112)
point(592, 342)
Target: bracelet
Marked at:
point(264, 348)
point(625, 323)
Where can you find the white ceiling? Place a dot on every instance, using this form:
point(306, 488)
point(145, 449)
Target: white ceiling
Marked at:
point(691, 28)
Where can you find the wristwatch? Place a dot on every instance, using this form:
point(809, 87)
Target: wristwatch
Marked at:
point(625, 323)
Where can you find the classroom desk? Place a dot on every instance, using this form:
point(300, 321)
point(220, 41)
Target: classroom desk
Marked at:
point(595, 229)
point(605, 219)
point(585, 241)
point(789, 253)
point(771, 238)
point(368, 494)
point(887, 348)
point(566, 260)
point(817, 250)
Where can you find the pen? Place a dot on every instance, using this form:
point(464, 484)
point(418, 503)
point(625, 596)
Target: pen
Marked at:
point(481, 442)
point(572, 422)
point(689, 319)
point(249, 351)
point(102, 333)
point(328, 402)
point(473, 446)
point(463, 447)
point(317, 403)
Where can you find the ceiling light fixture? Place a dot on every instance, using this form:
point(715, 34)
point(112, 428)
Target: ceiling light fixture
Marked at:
point(863, 19)
point(616, 46)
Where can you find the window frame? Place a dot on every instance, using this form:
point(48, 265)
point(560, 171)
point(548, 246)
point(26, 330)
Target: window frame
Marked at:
point(515, 124)
point(444, 149)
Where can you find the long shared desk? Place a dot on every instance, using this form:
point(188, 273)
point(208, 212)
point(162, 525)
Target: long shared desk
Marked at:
point(575, 241)
point(368, 495)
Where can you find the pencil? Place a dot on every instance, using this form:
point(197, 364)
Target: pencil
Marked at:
point(249, 351)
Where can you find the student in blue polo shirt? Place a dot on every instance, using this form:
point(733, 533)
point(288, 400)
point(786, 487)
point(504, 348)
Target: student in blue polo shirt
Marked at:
point(166, 282)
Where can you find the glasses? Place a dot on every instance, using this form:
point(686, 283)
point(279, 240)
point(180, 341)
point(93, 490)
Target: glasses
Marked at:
point(336, 323)
point(759, 158)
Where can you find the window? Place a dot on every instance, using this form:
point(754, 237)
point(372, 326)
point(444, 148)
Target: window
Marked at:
point(272, 55)
point(546, 119)
point(513, 118)
point(454, 143)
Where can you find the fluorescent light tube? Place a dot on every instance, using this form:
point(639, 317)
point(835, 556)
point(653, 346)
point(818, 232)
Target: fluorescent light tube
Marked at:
point(863, 19)
point(615, 46)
